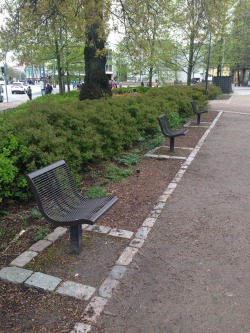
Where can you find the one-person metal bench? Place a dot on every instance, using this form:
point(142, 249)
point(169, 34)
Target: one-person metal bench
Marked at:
point(62, 205)
point(167, 132)
point(198, 112)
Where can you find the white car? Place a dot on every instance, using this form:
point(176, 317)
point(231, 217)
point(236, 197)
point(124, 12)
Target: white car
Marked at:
point(18, 87)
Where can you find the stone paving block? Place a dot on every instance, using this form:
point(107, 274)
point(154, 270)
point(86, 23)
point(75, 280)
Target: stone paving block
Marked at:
point(76, 290)
point(121, 233)
point(149, 222)
point(107, 287)
point(81, 328)
point(172, 185)
point(99, 228)
point(57, 233)
point(178, 158)
point(117, 272)
point(23, 259)
point(163, 198)
point(42, 281)
point(142, 232)
point(94, 309)
point(40, 245)
point(159, 205)
point(136, 243)
point(162, 157)
point(168, 191)
point(14, 274)
point(155, 213)
point(90, 227)
point(127, 256)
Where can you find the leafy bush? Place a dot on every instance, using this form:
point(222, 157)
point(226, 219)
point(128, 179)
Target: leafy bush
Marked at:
point(54, 127)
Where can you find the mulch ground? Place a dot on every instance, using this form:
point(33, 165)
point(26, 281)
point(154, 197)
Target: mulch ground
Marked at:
point(34, 311)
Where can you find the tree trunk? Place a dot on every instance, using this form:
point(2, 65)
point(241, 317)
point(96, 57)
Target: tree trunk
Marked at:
point(96, 83)
point(68, 81)
point(59, 69)
point(150, 76)
point(190, 61)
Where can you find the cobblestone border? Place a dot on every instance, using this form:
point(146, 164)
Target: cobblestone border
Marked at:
point(101, 295)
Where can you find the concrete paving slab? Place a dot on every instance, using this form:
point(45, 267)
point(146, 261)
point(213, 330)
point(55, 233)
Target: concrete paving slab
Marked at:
point(107, 287)
point(40, 246)
point(76, 290)
point(24, 258)
point(121, 233)
point(81, 328)
point(127, 256)
point(94, 309)
point(57, 233)
point(42, 281)
point(14, 274)
point(117, 272)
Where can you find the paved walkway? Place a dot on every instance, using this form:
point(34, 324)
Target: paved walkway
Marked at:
point(192, 274)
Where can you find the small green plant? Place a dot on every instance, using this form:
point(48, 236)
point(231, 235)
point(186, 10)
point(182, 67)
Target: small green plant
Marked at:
point(130, 159)
point(86, 240)
point(95, 192)
point(24, 222)
point(35, 214)
point(4, 213)
point(151, 144)
point(117, 174)
point(1, 232)
point(41, 234)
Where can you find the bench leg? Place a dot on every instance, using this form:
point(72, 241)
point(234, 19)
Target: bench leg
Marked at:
point(75, 238)
point(198, 119)
point(171, 144)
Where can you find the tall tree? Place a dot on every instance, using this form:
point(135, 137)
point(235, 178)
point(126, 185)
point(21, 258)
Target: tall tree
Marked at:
point(96, 83)
point(44, 29)
point(237, 46)
point(145, 23)
point(194, 23)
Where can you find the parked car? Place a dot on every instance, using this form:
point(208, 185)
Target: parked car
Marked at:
point(18, 87)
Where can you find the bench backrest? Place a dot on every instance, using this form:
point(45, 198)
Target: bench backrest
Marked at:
point(193, 103)
point(54, 190)
point(164, 124)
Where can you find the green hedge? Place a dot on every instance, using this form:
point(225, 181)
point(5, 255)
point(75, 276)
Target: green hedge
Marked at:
point(54, 127)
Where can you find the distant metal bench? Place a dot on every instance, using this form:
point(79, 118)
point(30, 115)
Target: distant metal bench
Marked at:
point(197, 112)
point(167, 132)
point(62, 205)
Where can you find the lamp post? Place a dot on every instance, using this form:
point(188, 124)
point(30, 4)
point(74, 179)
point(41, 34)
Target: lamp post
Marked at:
point(208, 63)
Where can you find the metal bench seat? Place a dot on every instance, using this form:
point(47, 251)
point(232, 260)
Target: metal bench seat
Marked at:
point(167, 132)
point(197, 111)
point(62, 205)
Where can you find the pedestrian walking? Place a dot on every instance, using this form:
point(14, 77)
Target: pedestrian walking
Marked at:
point(48, 89)
point(29, 92)
point(42, 86)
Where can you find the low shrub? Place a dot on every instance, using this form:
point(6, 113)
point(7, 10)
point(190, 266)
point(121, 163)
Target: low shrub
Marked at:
point(54, 127)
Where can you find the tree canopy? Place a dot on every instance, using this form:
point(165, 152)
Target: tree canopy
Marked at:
point(158, 35)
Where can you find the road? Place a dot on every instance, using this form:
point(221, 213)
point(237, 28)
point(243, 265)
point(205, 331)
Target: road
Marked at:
point(13, 100)
point(36, 92)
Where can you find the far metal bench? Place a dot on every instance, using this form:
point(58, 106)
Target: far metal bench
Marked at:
point(167, 132)
point(62, 205)
point(197, 112)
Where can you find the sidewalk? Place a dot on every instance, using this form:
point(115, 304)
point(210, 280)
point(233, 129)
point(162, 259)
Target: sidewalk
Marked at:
point(10, 105)
point(192, 274)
